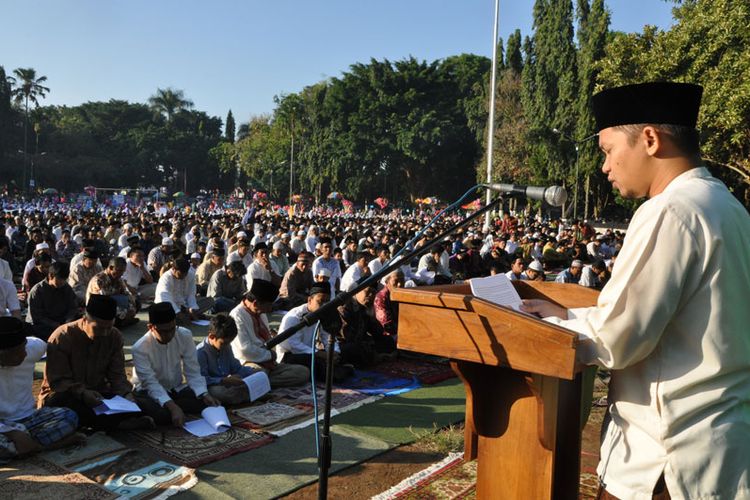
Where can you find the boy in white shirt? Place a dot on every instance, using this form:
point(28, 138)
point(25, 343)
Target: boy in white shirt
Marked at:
point(23, 428)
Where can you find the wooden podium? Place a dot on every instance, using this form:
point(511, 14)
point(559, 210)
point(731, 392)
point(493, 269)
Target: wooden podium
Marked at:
point(523, 385)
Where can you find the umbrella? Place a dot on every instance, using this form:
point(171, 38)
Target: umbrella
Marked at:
point(178, 194)
point(335, 195)
point(50, 191)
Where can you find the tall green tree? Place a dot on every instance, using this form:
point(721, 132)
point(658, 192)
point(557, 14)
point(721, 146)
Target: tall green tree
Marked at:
point(28, 88)
point(229, 128)
point(593, 30)
point(708, 44)
point(168, 102)
point(513, 53)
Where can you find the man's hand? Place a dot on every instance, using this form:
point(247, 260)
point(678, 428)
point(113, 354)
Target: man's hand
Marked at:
point(210, 400)
point(25, 444)
point(231, 380)
point(178, 416)
point(91, 398)
point(543, 308)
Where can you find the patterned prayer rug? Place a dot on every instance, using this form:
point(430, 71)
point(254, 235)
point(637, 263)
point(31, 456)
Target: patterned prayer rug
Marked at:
point(295, 406)
point(36, 479)
point(427, 371)
point(179, 446)
point(451, 478)
point(126, 472)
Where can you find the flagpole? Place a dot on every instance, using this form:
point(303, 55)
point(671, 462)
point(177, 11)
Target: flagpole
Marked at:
point(491, 124)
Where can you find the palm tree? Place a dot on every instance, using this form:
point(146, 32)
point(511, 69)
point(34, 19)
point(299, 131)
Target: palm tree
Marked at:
point(27, 88)
point(168, 102)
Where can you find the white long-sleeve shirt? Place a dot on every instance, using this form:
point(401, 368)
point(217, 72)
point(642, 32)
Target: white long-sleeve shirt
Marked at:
point(256, 271)
point(351, 276)
point(247, 346)
point(159, 368)
point(300, 342)
point(16, 397)
point(672, 325)
point(179, 293)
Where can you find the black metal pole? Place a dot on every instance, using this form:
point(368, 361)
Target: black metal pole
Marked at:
point(326, 446)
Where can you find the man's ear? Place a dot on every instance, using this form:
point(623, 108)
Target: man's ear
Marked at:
point(652, 140)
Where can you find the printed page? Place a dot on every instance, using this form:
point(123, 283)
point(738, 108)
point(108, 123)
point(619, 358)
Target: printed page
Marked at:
point(115, 405)
point(258, 385)
point(496, 289)
point(200, 428)
point(217, 417)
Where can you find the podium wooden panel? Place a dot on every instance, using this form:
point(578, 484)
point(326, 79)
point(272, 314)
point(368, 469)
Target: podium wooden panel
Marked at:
point(523, 385)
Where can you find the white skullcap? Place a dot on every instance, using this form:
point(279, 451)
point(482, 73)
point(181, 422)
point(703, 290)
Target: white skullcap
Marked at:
point(324, 272)
point(536, 266)
point(41, 246)
point(196, 255)
point(167, 242)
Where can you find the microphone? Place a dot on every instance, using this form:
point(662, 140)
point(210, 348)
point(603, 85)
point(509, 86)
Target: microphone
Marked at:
point(553, 195)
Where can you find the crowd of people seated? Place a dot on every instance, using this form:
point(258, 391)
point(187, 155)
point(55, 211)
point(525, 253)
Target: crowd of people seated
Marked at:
point(81, 276)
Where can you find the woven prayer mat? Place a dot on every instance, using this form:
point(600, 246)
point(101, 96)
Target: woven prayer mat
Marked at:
point(181, 447)
point(37, 479)
point(428, 371)
point(451, 478)
point(286, 409)
point(126, 472)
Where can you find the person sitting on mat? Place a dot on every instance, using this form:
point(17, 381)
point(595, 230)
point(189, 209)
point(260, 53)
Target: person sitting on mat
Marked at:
point(223, 372)
point(23, 428)
point(85, 364)
point(162, 358)
point(253, 331)
point(298, 348)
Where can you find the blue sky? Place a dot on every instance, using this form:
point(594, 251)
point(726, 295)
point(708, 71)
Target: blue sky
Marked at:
point(238, 54)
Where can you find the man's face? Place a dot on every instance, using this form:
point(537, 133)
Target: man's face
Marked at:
point(575, 271)
point(517, 266)
point(262, 256)
point(178, 274)
point(95, 327)
point(217, 260)
point(55, 281)
point(43, 268)
point(258, 307)
point(13, 356)
point(163, 332)
point(532, 274)
point(116, 272)
point(384, 255)
point(303, 264)
point(395, 281)
point(315, 302)
point(137, 258)
point(88, 262)
point(624, 164)
point(325, 250)
point(362, 263)
point(365, 296)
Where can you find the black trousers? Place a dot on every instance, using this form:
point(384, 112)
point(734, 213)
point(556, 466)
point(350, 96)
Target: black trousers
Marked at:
point(185, 399)
point(340, 373)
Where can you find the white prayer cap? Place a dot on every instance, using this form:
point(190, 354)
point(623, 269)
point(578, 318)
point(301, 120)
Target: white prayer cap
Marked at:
point(536, 266)
point(233, 257)
point(128, 225)
point(576, 263)
point(167, 242)
point(241, 234)
point(41, 246)
point(324, 272)
point(196, 255)
point(278, 245)
point(300, 233)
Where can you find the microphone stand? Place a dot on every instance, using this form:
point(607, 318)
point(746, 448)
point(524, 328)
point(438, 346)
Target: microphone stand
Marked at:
point(324, 461)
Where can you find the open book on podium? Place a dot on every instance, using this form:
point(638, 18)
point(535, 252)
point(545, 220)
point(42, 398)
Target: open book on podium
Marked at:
point(522, 381)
